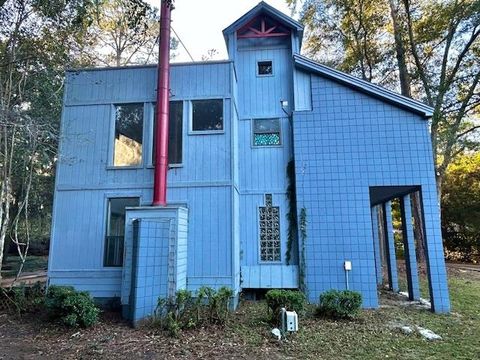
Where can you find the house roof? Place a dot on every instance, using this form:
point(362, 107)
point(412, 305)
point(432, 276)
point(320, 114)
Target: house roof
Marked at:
point(264, 8)
point(366, 87)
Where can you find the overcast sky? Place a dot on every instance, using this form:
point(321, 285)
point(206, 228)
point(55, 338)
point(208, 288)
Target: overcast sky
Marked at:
point(199, 23)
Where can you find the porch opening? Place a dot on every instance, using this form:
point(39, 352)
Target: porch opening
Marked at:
point(398, 229)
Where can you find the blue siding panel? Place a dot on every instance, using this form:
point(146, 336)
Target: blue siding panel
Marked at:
point(260, 96)
point(349, 142)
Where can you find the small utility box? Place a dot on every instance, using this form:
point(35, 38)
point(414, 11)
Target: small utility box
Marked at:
point(291, 321)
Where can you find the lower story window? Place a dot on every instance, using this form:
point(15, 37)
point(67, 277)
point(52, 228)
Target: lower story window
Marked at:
point(116, 230)
point(266, 132)
point(269, 217)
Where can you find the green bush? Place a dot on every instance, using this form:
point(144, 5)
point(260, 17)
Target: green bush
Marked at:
point(288, 299)
point(340, 304)
point(23, 299)
point(184, 311)
point(73, 308)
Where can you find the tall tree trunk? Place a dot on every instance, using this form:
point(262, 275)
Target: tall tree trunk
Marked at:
point(400, 50)
point(418, 228)
point(405, 87)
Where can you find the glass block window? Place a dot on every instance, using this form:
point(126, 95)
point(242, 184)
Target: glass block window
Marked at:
point(207, 115)
point(115, 229)
point(269, 220)
point(266, 132)
point(127, 147)
point(264, 68)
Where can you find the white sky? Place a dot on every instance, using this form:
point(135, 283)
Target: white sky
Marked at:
point(199, 23)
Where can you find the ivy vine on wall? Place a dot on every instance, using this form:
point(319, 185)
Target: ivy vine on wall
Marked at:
point(303, 239)
point(292, 233)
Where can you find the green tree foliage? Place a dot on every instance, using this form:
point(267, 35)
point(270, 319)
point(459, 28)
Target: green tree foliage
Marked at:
point(461, 209)
point(38, 40)
point(425, 48)
point(122, 32)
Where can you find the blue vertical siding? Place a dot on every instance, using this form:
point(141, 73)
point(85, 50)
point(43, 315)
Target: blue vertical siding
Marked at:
point(84, 179)
point(260, 96)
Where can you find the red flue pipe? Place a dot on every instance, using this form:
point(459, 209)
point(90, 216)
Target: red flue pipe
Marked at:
point(163, 107)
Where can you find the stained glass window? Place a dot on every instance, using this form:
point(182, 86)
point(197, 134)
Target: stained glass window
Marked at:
point(269, 217)
point(266, 132)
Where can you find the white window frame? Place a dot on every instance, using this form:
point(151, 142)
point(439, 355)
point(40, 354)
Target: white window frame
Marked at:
point(111, 142)
point(252, 132)
point(151, 127)
point(205, 132)
point(257, 64)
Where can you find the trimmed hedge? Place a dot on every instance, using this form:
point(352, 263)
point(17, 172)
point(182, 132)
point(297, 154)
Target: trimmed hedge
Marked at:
point(288, 299)
point(340, 304)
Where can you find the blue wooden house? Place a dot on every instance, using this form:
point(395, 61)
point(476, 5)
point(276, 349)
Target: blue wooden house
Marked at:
point(232, 219)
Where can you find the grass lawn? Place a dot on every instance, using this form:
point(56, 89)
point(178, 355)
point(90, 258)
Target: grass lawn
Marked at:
point(33, 263)
point(247, 335)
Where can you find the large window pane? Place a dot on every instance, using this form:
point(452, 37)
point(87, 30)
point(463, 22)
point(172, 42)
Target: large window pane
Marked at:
point(114, 238)
point(175, 133)
point(207, 115)
point(128, 135)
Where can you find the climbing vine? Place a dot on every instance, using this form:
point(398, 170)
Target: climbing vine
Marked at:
point(292, 233)
point(303, 238)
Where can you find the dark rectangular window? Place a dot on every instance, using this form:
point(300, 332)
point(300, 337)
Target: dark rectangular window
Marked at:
point(175, 133)
point(114, 238)
point(207, 115)
point(266, 132)
point(264, 68)
point(127, 147)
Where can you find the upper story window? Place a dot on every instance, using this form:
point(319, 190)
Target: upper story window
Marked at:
point(127, 146)
point(114, 238)
point(264, 68)
point(175, 134)
point(207, 116)
point(266, 132)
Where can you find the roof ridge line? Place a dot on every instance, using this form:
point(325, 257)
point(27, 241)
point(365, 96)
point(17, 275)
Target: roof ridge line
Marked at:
point(371, 88)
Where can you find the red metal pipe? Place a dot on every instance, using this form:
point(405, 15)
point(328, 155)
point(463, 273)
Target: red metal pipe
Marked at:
point(163, 107)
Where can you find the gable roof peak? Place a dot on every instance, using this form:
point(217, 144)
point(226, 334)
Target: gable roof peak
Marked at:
point(265, 8)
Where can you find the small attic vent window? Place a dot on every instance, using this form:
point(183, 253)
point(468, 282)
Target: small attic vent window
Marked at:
point(264, 68)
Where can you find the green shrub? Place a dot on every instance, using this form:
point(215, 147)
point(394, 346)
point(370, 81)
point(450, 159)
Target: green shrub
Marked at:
point(288, 299)
point(73, 308)
point(340, 304)
point(184, 311)
point(22, 298)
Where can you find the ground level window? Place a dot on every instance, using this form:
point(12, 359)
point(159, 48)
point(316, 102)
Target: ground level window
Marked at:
point(115, 229)
point(127, 147)
point(269, 217)
point(207, 115)
point(266, 132)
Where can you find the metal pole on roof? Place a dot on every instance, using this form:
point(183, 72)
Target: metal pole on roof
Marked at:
point(163, 107)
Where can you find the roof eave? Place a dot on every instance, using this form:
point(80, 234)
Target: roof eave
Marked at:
point(364, 86)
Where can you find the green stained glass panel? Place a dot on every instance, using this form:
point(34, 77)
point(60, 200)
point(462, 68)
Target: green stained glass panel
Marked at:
point(266, 139)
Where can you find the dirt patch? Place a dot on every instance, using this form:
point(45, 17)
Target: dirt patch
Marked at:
point(30, 338)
